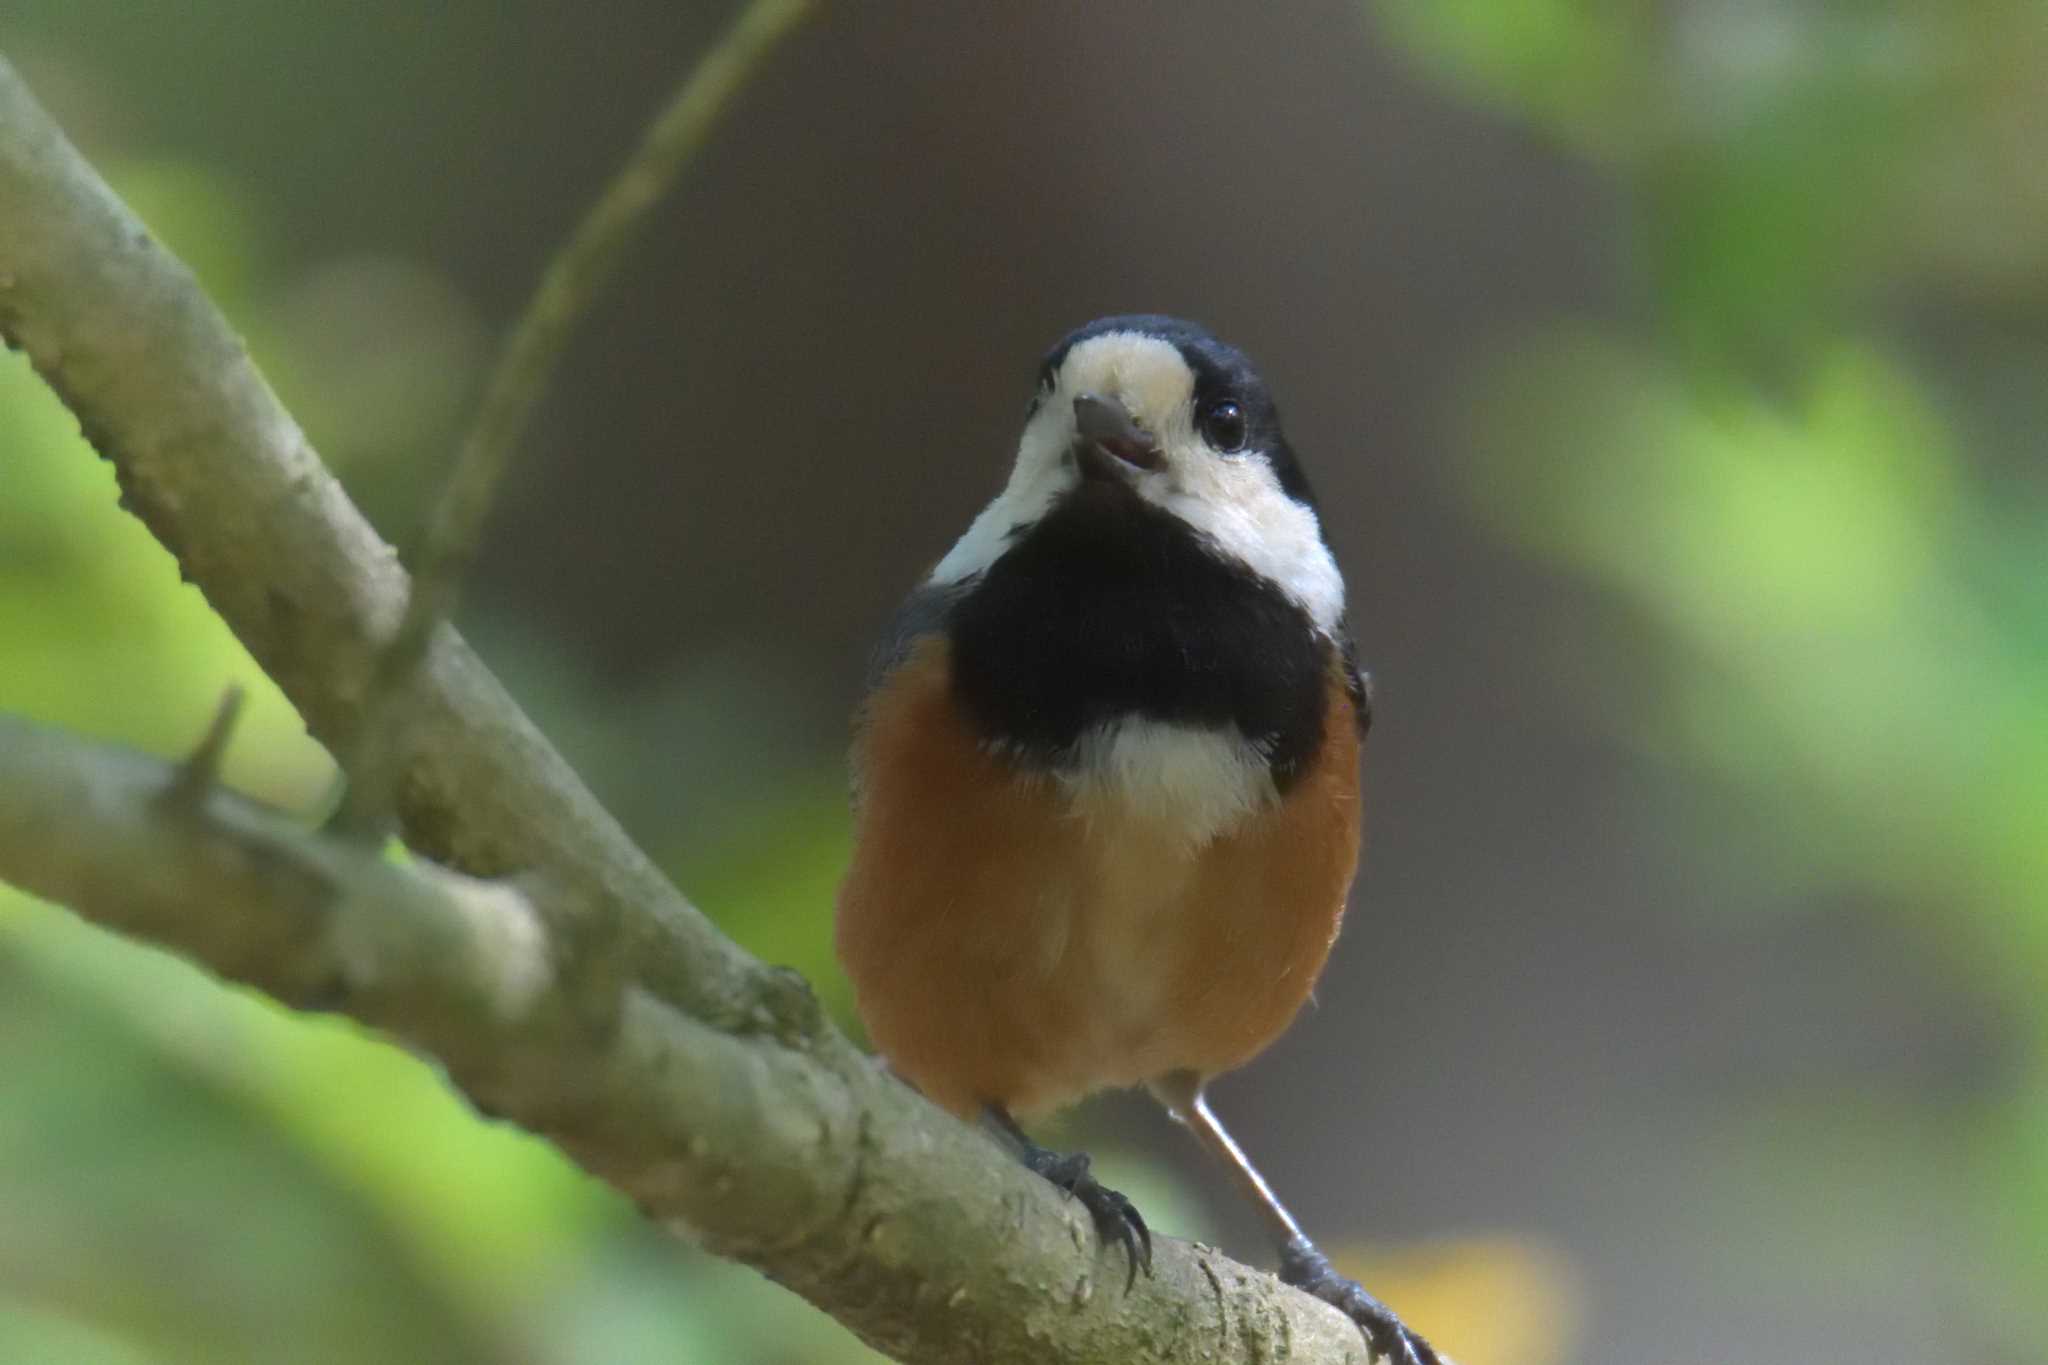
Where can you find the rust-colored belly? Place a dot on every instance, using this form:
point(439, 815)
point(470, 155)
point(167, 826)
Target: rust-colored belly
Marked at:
point(1006, 949)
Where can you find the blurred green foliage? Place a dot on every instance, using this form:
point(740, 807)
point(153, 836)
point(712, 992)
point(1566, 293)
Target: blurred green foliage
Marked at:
point(1811, 476)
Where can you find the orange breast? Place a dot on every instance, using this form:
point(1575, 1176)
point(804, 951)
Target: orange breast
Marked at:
point(1005, 949)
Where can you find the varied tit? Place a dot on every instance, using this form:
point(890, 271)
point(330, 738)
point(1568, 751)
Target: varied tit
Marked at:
point(1106, 777)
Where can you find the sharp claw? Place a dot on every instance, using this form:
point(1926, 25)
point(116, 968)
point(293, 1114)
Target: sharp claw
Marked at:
point(1405, 1349)
point(1116, 1218)
point(1130, 1257)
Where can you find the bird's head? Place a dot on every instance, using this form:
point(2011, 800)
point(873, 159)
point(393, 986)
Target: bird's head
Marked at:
point(1158, 409)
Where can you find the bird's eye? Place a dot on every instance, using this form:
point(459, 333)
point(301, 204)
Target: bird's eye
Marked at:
point(1223, 426)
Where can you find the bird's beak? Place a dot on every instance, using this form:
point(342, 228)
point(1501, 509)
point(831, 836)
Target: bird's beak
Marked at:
point(1103, 427)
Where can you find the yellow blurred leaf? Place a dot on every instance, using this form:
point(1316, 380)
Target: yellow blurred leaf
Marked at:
point(1498, 1300)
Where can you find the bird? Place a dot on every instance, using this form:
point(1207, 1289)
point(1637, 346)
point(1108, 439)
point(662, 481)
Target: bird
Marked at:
point(1106, 778)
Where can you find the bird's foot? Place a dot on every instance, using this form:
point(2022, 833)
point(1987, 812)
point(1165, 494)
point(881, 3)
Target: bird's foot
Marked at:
point(1304, 1267)
point(1116, 1218)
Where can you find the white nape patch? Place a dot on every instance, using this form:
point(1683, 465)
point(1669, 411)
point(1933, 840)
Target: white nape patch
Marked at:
point(1187, 782)
point(1234, 501)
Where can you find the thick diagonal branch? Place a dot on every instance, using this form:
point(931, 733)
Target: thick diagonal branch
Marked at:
point(809, 1163)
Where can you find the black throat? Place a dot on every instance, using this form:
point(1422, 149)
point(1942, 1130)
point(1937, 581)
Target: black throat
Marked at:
point(1111, 607)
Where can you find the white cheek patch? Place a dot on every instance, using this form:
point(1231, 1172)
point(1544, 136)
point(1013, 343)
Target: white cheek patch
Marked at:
point(1041, 475)
point(1237, 502)
point(1190, 783)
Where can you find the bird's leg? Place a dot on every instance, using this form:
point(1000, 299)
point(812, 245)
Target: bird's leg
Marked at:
point(1115, 1217)
point(1301, 1264)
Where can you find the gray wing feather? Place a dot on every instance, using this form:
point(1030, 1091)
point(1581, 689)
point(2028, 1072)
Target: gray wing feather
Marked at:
point(921, 613)
point(924, 611)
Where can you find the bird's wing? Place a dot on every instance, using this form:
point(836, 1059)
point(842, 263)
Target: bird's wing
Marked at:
point(1357, 681)
point(924, 611)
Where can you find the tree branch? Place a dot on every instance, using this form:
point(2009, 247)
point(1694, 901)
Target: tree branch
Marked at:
point(573, 280)
point(222, 475)
point(807, 1162)
point(586, 1000)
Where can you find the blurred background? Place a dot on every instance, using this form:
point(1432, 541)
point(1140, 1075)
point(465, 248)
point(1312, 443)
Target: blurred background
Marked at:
point(1674, 376)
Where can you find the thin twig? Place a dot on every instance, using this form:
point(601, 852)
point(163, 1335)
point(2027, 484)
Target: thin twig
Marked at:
point(574, 279)
point(196, 776)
